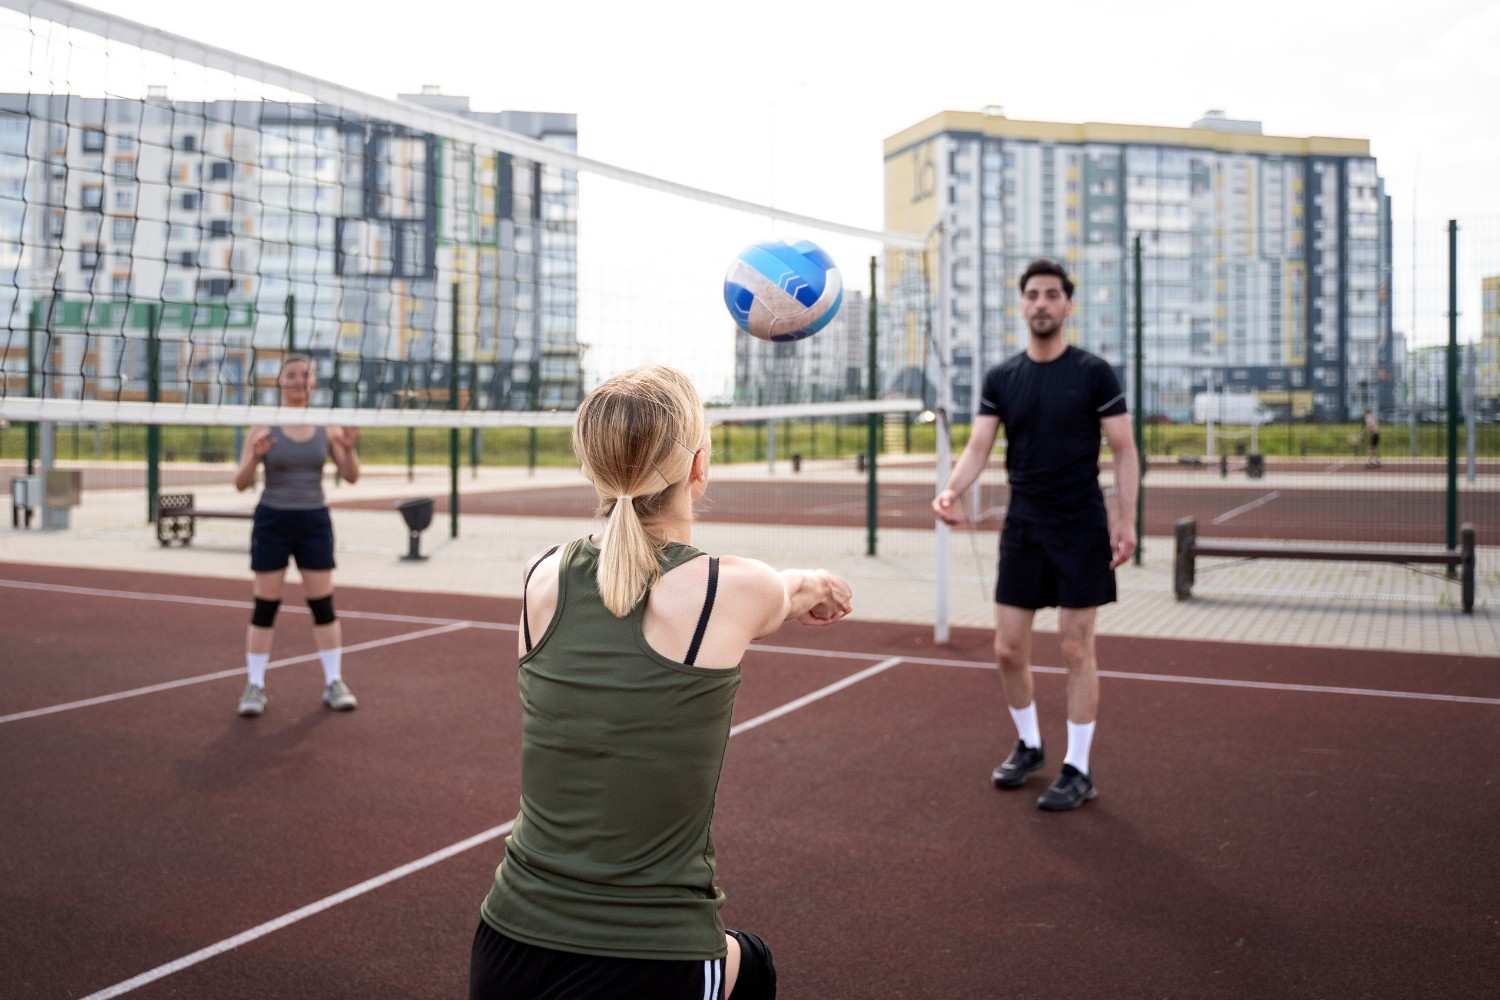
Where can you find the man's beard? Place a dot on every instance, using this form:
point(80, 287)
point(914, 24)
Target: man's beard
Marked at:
point(1050, 328)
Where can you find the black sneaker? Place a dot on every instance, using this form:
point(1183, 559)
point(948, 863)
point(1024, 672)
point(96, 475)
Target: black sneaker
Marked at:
point(1071, 789)
point(1023, 760)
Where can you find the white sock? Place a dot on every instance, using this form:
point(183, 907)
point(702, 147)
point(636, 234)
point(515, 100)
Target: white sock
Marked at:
point(1080, 738)
point(332, 659)
point(1026, 725)
point(255, 666)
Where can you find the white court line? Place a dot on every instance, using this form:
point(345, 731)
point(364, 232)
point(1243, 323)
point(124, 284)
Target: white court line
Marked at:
point(371, 884)
point(1124, 675)
point(837, 654)
point(1244, 507)
point(1336, 466)
point(220, 602)
point(219, 675)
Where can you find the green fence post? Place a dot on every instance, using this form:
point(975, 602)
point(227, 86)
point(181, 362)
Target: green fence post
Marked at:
point(1140, 411)
point(1451, 535)
point(31, 387)
point(872, 388)
point(453, 431)
point(153, 395)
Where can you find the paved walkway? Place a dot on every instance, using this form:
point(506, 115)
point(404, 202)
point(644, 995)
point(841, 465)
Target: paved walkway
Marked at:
point(1370, 606)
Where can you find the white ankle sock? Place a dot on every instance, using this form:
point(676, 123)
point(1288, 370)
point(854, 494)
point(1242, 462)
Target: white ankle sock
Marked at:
point(332, 661)
point(255, 666)
point(1026, 725)
point(1080, 739)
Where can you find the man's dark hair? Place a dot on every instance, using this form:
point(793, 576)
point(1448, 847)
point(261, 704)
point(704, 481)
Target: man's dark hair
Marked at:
point(1043, 266)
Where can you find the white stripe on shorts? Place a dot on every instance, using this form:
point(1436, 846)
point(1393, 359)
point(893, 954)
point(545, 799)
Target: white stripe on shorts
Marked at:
point(713, 979)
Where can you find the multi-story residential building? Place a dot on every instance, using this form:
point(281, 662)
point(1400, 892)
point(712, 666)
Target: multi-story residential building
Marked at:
point(1487, 355)
point(242, 228)
point(1266, 259)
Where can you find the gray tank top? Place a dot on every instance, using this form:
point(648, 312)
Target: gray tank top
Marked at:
point(294, 471)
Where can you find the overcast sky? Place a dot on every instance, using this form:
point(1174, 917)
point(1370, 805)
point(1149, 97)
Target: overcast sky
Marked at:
point(790, 104)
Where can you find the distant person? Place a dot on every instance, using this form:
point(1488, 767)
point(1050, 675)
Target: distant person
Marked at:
point(1372, 436)
point(292, 522)
point(629, 647)
point(1061, 542)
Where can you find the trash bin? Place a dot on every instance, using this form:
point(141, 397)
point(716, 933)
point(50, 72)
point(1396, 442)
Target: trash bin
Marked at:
point(796, 461)
point(417, 513)
point(1255, 465)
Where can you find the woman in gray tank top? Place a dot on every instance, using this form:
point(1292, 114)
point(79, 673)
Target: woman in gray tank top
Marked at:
point(629, 646)
point(292, 522)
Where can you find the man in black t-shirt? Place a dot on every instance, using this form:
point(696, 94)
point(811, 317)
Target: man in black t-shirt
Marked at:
point(1061, 541)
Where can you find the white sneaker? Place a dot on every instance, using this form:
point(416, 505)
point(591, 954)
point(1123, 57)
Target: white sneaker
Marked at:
point(253, 701)
point(338, 697)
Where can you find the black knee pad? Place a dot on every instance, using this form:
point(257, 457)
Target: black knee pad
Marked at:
point(322, 610)
point(757, 978)
point(264, 615)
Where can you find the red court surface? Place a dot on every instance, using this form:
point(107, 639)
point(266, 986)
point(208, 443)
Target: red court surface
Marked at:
point(1230, 512)
point(1274, 821)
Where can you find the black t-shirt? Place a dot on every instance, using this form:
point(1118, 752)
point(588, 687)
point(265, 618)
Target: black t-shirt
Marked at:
point(1051, 413)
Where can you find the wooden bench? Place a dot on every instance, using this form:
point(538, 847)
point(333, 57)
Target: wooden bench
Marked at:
point(1190, 547)
point(177, 516)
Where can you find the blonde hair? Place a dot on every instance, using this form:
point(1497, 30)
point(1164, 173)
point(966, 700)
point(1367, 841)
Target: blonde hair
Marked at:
point(636, 436)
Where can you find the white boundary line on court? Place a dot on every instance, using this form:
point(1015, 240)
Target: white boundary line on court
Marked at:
point(223, 602)
point(219, 675)
point(1245, 508)
point(837, 654)
point(443, 854)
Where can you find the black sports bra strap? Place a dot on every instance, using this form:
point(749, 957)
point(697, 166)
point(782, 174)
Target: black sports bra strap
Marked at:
point(708, 609)
point(525, 618)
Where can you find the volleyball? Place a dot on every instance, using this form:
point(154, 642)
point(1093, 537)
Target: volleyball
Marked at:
point(783, 291)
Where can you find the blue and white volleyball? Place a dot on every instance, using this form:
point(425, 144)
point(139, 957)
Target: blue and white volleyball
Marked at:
point(783, 291)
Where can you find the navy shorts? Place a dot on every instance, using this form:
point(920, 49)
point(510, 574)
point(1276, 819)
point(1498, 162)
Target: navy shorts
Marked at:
point(277, 536)
point(500, 966)
point(1056, 563)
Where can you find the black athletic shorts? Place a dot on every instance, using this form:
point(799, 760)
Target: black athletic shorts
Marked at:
point(1375, 440)
point(502, 967)
point(279, 535)
point(1056, 563)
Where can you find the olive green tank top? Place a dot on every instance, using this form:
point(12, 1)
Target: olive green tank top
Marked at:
point(621, 751)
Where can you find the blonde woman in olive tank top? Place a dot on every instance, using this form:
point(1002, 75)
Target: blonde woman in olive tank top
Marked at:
point(292, 522)
point(629, 650)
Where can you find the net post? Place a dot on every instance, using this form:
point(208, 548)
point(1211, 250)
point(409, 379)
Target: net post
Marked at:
point(153, 394)
point(944, 430)
point(1451, 535)
point(453, 405)
point(872, 388)
point(1140, 409)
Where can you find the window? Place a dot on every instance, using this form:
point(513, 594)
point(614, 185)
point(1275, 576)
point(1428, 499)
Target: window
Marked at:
point(124, 198)
point(93, 140)
point(214, 287)
point(120, 285)
point(125, 169)
point(190, 199)
point(188, 143)
point(93, 196)
point(88, 256)
point(218, 228)
point(55, 225)
point(219, 170)
point(188, 258)
point(123, 230)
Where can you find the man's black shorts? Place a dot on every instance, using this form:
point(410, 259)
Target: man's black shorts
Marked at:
point(279, 535)
point(502, 967)
point(1056, 563)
